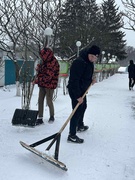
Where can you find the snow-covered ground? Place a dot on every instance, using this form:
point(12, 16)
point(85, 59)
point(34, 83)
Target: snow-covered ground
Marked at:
point(108, 152)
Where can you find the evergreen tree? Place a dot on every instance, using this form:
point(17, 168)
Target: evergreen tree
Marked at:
point(77, 22)
point(112, 36)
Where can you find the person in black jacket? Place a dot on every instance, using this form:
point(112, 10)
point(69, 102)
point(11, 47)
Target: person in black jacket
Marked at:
point(80, 78)
point(131, 74)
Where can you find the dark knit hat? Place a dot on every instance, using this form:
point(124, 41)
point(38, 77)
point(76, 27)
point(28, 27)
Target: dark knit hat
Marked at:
point(95, 50)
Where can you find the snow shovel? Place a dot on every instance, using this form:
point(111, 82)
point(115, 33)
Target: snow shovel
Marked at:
point(56, 138)
point(25, 116)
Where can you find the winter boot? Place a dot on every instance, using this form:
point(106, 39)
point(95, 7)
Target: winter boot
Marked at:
point(82, 128)
point(39, 121)
point(51, 119)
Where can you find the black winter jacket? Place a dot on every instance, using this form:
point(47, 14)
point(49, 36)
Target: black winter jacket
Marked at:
point(131, 71)
point(81, 73)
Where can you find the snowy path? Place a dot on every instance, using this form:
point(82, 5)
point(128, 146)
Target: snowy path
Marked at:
point(108, 152)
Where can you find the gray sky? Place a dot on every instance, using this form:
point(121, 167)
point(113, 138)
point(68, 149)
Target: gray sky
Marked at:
point(129, 34)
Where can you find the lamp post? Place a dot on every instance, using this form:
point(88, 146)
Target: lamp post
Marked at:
point(104, 59)
point(78, 44)
point(103, 53)
point(108, 56)
point(48, 32)
point(115, 58)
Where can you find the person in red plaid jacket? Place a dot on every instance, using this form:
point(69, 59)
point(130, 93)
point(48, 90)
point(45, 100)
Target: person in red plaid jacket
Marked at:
point(47, 80)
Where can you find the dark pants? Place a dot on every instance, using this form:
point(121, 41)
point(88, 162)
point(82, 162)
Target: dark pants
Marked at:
point(131, 82)
point(49, 96)
point(77, 119)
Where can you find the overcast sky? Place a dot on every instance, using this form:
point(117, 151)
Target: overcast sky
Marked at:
point(129, 34)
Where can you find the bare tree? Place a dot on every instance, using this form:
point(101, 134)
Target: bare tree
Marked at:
point(1, 69)
point(22, 26)
point(13, 27)
point(46, 14)
point(129, 13)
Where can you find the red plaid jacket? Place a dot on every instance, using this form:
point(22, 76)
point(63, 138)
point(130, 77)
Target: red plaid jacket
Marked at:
point(48, 70)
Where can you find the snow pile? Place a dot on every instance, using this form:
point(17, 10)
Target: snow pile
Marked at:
point(122, 70)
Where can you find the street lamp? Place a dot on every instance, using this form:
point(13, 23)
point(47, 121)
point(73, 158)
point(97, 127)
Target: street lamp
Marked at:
point(78, 44)
point(48, 32)
point(104, 60)
point(103, 53)
point(113, 58)
point(108, 56)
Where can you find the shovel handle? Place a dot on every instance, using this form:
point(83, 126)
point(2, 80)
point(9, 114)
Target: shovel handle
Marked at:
point(73, 112)
point(69, 118)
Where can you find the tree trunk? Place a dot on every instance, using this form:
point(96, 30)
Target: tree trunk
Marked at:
point(18, 89)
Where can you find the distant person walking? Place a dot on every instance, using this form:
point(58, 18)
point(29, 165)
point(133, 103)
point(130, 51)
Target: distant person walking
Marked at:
point(131, 74)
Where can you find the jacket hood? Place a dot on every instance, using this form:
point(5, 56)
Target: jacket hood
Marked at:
point(46, 54)
point(84, 54)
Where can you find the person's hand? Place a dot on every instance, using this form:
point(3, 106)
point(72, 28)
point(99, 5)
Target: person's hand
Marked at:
point(35, 81)
point(37, 67)
point(80, 100)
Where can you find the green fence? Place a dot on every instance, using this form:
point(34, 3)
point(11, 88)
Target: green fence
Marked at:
point(106, 67)
point(64, 68)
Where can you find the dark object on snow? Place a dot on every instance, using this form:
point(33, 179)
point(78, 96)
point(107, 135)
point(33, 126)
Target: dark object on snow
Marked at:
point(25, 117)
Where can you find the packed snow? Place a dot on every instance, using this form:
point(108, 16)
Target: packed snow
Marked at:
point(122, 69)
point(108, 152)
